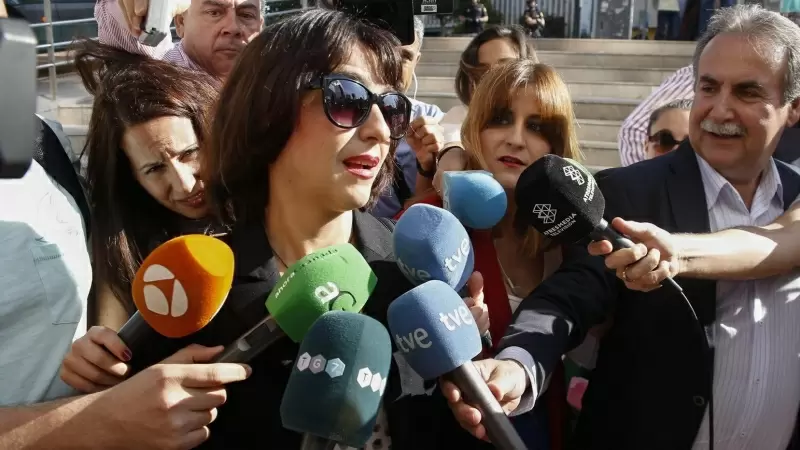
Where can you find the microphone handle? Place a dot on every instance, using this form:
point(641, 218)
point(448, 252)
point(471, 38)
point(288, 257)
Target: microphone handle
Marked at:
point(311, 442)
point(135, 332)
point(604, 231)
point(251, 343)
point(476, 392)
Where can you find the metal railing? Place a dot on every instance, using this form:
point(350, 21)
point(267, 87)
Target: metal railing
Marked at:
point(51, 46)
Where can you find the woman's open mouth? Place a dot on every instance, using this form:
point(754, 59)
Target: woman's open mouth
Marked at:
point(510, 161)
point(364, 167)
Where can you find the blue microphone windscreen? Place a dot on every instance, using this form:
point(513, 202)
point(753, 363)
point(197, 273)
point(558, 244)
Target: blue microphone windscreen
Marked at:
point(474, 197)
point(338, 379)
point(434, 329)
point(431, 244)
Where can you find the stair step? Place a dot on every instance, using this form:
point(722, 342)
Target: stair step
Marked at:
point(614, 46)
point(562, 58)
point(569, 73)
point(638, 91)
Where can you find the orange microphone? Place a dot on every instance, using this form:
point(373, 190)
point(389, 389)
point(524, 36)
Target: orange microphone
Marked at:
point(179, 288)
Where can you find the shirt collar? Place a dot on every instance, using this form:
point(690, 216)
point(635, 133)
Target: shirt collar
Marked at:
point(254, 257)
point(769, 187)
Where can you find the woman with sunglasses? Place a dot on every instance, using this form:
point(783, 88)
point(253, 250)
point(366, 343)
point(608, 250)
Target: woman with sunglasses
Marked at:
point(300, 144)
point(668, 126)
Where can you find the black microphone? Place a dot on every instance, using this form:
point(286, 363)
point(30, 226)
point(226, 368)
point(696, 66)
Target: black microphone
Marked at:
point(561, 200)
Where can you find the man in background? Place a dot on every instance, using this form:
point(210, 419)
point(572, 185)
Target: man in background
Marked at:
point(212, 32)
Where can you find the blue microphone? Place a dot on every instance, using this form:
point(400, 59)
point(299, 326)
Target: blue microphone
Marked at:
point(431, 244)
point(438, 337)
point(474, 197)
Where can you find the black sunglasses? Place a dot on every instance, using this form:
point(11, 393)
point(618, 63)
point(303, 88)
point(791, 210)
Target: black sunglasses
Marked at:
point(664, 140)
point(347, 103)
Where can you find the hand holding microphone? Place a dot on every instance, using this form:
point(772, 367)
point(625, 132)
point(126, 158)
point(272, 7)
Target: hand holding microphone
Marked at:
point(177, 290)
point(170, 404)
point(437, 336)
point(96, 361)
point(645, 265)
point(560, 198)
point(507, 381)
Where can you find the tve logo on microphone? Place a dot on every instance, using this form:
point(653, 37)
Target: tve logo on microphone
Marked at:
point(426, 322)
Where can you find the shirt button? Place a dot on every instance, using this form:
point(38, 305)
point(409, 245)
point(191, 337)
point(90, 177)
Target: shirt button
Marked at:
point(699, 400)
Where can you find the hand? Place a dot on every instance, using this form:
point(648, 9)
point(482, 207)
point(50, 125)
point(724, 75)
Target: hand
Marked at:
point(96, 361)
point(479, 310)
point(134, 11)
point(506, 379)
point(648, 263)
point(425, 137)
point(169, 405)
point(454, 160)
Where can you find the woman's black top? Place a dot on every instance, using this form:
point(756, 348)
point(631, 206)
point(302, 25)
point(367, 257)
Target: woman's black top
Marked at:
point(417, 414)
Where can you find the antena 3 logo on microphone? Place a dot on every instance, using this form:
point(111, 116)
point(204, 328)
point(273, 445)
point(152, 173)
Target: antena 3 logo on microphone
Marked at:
point(431, 244)
point(182, 284)
point(336, 278)
point(426, 321)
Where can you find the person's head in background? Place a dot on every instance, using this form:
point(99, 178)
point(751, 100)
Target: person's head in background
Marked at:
point(747, 75)
point(520, 112)
point(668, 126)
point(411, 53)
point(143, 146)
point(493, 45)
point(311, 115)
point(214, 32)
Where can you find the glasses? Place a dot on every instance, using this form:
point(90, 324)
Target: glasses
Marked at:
point(347, 103)
point(664, 140)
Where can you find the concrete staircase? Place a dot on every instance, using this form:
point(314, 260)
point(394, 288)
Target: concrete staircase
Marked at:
point(606, 78)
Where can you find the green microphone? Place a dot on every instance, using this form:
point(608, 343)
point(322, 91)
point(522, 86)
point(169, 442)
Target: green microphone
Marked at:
point(336, 278)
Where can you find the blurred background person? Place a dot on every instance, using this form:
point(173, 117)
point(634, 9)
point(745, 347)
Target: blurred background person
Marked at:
point(668, 127)
point(212, 32)
point(495, 44)
point(144, 143)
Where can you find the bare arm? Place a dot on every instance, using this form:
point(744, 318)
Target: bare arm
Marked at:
point(742, 253)
point(109, 310)
point(66, 423)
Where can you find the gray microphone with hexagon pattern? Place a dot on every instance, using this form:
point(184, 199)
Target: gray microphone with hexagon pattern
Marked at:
point(337, 382)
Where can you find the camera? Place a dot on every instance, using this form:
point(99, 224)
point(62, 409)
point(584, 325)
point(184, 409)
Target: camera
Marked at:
point(396, 16)
point(18, 97)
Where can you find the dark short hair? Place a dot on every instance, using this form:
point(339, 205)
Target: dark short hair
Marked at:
point(675, 104)
point(260, 104)
point(470, 70)
point(128, 90)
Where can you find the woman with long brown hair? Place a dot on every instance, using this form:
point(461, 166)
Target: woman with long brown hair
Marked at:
point(143, 144)
point(519, 112)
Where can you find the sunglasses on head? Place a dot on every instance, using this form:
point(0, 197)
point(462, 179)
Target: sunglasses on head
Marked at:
point(664, 140)
point(347, 103)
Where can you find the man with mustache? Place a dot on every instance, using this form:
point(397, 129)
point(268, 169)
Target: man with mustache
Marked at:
point(213, 32)
point(663, 381)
